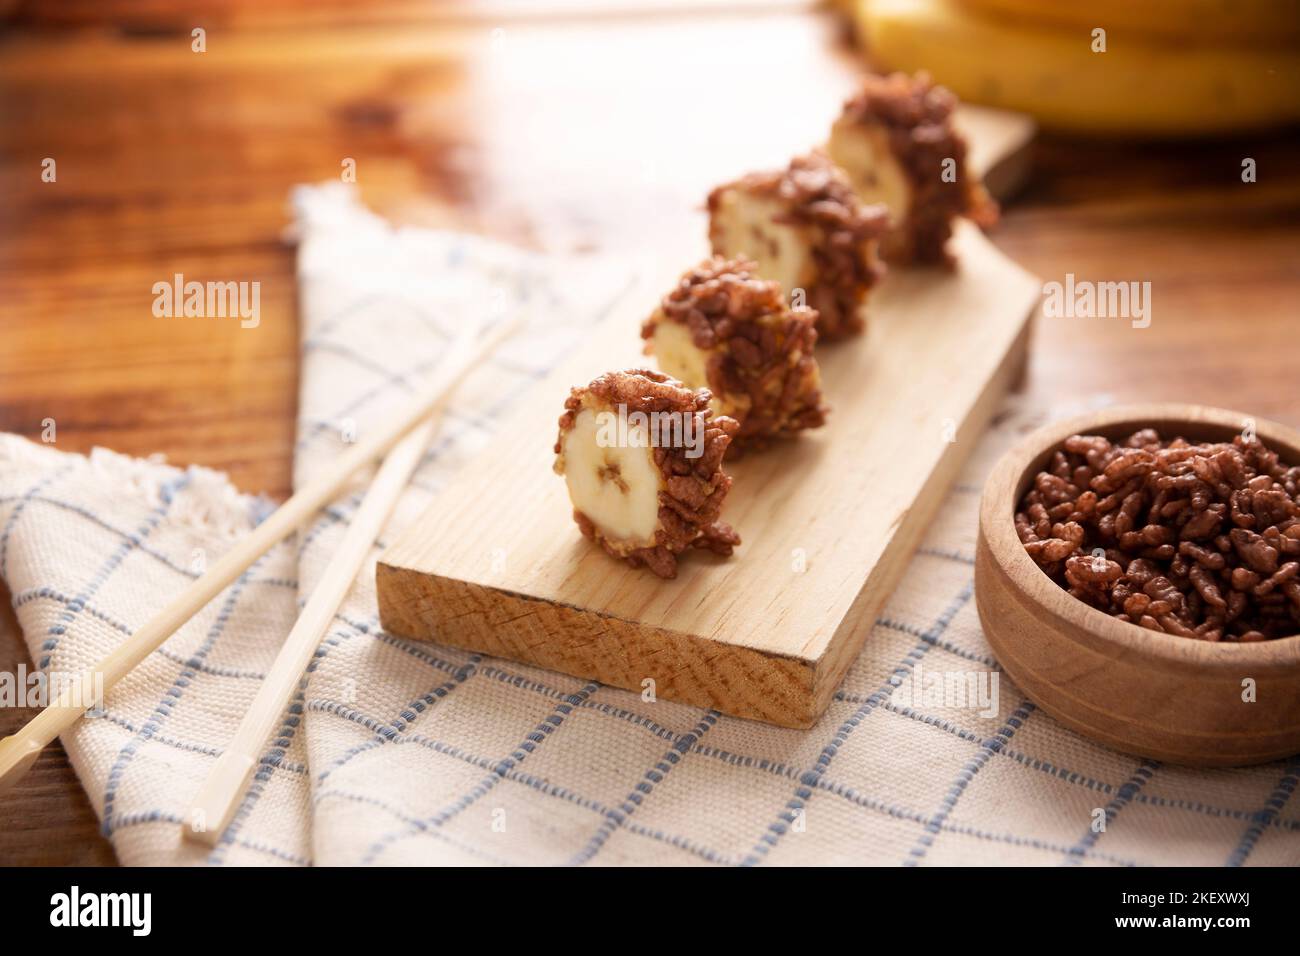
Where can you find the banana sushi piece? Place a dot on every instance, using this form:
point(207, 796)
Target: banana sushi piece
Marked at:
point(806, 229)
point(724, 329)
point(641, 455)
point(895, 140)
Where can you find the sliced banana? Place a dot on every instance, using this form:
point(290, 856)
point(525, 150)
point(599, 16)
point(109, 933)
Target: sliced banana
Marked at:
point(616, 487)
point(744, 223)
point(863, 152)
point(641, 455)
point(724, 329)
point(680, 357)
point(804, 228)
point(895, 140)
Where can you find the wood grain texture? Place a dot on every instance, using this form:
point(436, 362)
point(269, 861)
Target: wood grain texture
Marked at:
point(1152, 694)
point(166, 164)
point(829, 521)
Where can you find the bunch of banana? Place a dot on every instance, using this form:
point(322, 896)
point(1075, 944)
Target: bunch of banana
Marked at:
point(1157, 68)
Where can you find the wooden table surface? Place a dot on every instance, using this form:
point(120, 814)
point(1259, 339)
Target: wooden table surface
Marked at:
point(583, 129)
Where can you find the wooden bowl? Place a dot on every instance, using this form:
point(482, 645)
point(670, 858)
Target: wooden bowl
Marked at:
point(1170, 698)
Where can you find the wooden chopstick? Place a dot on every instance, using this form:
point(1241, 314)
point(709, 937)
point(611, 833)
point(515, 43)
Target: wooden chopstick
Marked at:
point(19, 751)
point(215, 804)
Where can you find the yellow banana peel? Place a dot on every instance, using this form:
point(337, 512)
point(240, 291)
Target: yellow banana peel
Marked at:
point(1139, 86)
point(1210, 22)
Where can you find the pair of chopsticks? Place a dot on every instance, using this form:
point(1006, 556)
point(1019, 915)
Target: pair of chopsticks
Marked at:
point(403, 439)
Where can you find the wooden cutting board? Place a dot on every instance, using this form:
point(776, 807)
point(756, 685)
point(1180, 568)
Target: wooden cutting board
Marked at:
point(828, 521)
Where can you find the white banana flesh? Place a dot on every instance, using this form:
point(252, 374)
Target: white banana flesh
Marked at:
point(744, 226)
point(615, 485)
point(864, 153)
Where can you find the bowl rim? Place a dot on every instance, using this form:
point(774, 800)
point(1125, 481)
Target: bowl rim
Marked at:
point(997, 526)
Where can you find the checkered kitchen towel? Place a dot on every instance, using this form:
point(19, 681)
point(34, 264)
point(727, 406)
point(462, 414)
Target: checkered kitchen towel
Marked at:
point(401, 752)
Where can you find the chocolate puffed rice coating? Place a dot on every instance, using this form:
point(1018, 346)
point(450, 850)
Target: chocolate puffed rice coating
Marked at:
point(753, 353)
point(916, 116)
point(672, 492)
point(1198, 540)
point(841, 234)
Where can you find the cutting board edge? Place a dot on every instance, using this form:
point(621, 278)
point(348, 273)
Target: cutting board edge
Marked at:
point(839, 652)
point(776, 688)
